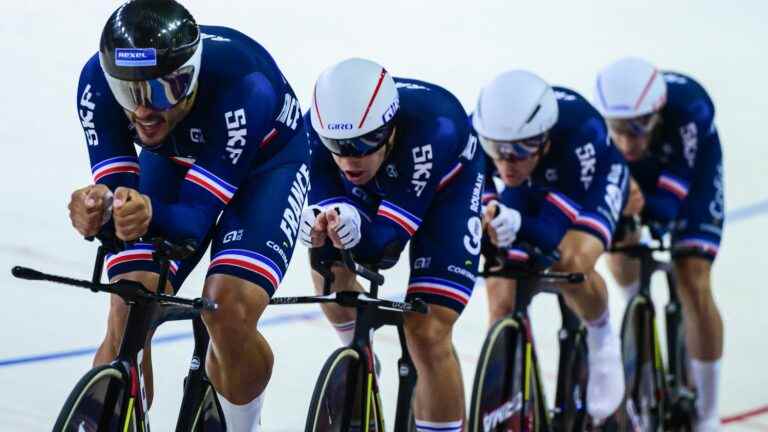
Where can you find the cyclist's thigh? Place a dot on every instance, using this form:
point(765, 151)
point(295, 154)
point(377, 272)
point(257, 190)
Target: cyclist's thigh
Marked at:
point(698, 228)
point(445, 251)
point(256, 234)
point(160, 179)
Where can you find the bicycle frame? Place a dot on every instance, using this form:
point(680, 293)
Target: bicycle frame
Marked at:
point(144, 314)
point(372, 313)
point(529, 284)
point(672, 382)
point(571, 325)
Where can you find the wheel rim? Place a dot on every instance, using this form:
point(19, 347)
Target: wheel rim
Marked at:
point(497, 399)
point(642, 405)
point(89, 411)
point(338, 386)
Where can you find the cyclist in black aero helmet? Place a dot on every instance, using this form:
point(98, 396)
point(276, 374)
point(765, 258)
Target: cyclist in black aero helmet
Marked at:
point(221, 137)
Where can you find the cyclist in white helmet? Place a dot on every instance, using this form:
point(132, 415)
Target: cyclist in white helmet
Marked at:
point(663, 122)
point(393, 160)
point(564, 188)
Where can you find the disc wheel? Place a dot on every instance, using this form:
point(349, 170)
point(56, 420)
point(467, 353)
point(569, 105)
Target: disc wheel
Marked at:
point(208, 416)
point(498, 401)
point(96, 403)
point(644, 408)
point(337, 397)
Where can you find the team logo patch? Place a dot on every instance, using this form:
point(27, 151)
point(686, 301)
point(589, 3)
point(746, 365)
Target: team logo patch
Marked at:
point(135, 57)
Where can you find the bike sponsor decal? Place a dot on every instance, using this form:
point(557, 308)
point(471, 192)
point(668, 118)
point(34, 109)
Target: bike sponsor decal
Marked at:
point(195, 364)
point(502, 413)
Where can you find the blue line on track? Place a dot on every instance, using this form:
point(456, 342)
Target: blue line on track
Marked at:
point(159, 340)
point(733, 216)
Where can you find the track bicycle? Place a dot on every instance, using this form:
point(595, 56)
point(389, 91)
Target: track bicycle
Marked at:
point(112, 397)
point(346, 397)
point(658, 396)
point(507, 394)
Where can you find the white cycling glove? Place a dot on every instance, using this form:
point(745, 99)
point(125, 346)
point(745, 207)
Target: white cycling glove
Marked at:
point(348, 229)
point(307, 222)
point(506, 224)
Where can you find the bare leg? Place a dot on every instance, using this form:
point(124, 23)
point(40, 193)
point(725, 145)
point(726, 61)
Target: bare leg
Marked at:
point(429, 342)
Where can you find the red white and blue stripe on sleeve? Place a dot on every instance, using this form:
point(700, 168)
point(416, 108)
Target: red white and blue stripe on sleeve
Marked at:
point(405, 220)
point(250, 261)
point(440, 287)
point(136, 252)
point(564, 204)
point(673, 184)
point(115, 165)
point(596, 223)
point(211, 183)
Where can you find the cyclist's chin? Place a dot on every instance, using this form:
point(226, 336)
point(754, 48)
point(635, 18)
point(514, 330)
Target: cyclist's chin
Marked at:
point(513, 180)
point(358, 177)
point(154, 136)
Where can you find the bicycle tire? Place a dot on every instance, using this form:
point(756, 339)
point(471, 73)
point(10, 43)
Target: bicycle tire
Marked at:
point(337, 385)
point(84, 409)
point(497, 390)
point(207, 415)
point(573, 415)
point(643, 405)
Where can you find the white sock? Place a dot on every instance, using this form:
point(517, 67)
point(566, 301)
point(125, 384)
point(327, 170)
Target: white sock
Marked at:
point(630, 290)
point(706, 378)
point(598, 330)
point(346, 331)
point(242, 418)
point(428, 426)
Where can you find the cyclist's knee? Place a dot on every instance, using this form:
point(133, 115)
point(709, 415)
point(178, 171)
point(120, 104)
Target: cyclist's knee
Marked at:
point(241, 304)
point(501, 297)
point(693, 281)
point(429, 336)
point(624, 270)
point(148, 279)
point(579, 252)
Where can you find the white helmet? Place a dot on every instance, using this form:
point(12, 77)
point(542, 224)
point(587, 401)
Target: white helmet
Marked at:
point(353, 104)
point(515, 106)
point(629, 88)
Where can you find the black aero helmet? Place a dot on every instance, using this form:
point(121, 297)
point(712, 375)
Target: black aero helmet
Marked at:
point(150, 52)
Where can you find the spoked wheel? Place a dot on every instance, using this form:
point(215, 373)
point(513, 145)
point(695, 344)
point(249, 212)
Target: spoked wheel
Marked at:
point(499, 402)
point(573, 416)
point(96, 403)
point(643, 372)
point(337, 401)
